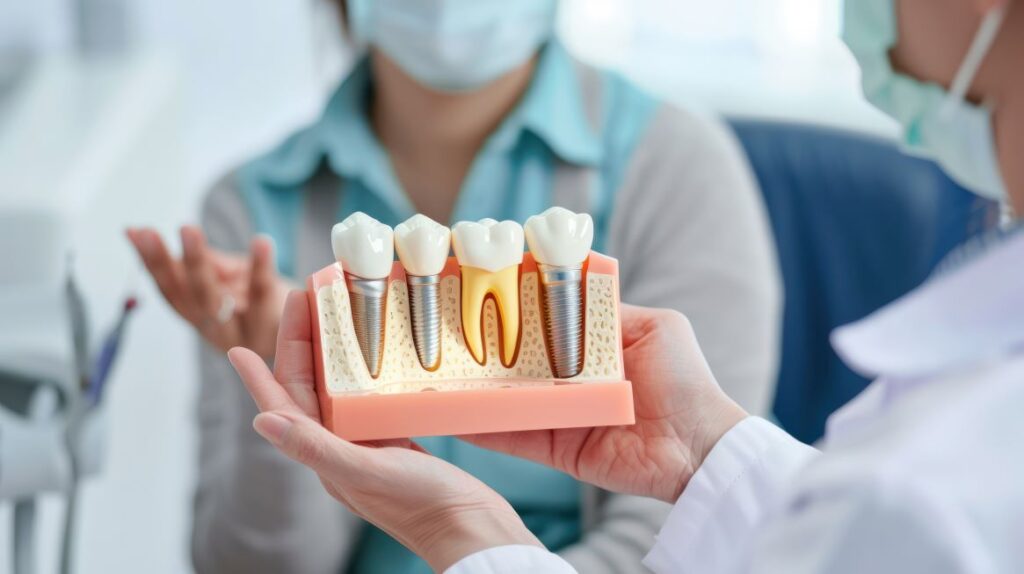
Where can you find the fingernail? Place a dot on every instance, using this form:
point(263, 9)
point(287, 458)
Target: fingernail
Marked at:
point(272, 427)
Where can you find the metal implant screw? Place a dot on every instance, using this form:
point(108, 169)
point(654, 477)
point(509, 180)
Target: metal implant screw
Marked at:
point(368, 297)
point(562, 288)
point(425, 308)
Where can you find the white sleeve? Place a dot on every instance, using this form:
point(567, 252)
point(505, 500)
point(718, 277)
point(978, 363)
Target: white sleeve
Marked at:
point(868, 523)
point(512, 559)
point(721, 508)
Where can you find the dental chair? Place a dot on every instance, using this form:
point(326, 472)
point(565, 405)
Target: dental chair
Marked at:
point(857, 224)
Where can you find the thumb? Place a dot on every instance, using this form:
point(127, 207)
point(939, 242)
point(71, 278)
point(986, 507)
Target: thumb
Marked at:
point(308, 443)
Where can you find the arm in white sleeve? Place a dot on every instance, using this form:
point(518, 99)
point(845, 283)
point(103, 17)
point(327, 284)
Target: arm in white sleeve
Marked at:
point(512, 559)
point(742, 480)
point(750, 509)
point(882, 525)
point(722, 505)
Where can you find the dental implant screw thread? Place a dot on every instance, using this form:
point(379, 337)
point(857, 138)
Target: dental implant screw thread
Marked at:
point(368, 297)
point(425, 307)
point(563, 317)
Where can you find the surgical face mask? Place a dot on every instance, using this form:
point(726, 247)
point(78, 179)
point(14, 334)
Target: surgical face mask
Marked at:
point(453, 45)
point(937, 124)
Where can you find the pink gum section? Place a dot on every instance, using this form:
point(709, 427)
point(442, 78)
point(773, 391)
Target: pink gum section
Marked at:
point(435, 413)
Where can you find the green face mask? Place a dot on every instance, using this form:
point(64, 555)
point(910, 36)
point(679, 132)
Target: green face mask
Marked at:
point(937, 124)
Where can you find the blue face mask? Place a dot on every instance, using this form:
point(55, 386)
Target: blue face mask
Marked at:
point(937, 124)
point(453, 45)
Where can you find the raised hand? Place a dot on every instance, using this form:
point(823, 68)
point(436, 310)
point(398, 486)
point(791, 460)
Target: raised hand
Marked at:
point(232, 300)
point(432, 507)
point(680, 414)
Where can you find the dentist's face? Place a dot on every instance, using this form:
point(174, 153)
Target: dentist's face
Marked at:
point(934, 36)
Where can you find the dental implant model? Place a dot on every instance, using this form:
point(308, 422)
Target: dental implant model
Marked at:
point(560, 242)
point(422, 246)
point(365, 249)
point(489, 254)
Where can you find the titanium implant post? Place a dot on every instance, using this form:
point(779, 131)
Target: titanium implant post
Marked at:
point(425, 308)
point(562, 294)
point(369, 299)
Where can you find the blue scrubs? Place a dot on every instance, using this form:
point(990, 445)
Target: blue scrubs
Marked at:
point(511, 178)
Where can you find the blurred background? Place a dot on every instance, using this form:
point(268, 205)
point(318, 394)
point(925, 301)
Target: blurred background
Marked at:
point(122, 112)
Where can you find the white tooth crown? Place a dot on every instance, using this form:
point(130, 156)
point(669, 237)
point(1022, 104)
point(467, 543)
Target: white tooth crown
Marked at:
point(560, 237)
point(488, 244)
point(422, 245)
point(364, 246)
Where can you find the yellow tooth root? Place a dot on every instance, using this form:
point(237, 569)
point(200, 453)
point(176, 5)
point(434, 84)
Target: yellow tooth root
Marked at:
point(503, 285)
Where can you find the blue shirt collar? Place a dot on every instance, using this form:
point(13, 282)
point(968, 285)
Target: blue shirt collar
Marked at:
point(553, 109)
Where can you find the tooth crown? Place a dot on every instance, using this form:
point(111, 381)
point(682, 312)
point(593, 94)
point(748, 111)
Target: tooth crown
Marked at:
point(488, 244)
point(364, 246)
point(559, 236)
point(422, 245)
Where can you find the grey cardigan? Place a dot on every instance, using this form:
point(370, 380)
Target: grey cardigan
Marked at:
point(690, 231)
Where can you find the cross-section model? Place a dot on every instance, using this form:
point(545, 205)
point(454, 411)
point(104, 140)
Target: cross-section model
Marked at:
point(501, 339)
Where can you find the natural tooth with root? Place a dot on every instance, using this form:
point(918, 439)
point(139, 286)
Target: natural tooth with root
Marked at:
point(560, 242)
point(489, 254)
point(365, 249)
point(423, 245)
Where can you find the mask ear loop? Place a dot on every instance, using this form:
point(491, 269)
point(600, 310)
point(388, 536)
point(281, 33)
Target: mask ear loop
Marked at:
point(982, 43)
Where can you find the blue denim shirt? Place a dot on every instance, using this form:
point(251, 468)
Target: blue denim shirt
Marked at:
point(511, 178)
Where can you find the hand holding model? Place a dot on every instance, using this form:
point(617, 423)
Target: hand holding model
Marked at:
point(435, 509)
point(232, 300)
point(680, 414)
point(680, 411)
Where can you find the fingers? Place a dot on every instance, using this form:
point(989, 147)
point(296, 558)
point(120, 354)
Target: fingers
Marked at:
point(394, 443)
point(232, 272)
point(263, 275)
point(200, 276)
point(310, 444)
point(293, 364)
point(640, 322)
point(265, 390)
point(168, 273)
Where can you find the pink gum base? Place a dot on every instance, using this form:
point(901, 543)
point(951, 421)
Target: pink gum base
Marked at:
point(434, 413)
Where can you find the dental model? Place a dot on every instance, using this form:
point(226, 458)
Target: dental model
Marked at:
point(365, 249)
point(560, 242)
point(415, 347)
point(422, 246)
point(489, 254)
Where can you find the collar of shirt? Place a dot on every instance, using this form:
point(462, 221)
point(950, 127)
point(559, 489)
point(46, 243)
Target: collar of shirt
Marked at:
point(961, 319)
point(551, 109)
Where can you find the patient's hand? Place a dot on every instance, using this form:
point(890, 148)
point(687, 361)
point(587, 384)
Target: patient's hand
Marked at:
point(232, 300)
point(680, 415)
point(432, 507)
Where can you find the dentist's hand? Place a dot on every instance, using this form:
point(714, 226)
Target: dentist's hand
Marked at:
point(432, 507)
point(680, 414)
point(231, 300)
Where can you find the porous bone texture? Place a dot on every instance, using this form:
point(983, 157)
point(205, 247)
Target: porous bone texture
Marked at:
point(401, 371)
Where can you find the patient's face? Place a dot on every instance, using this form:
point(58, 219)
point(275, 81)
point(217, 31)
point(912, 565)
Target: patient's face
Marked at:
point(934, 36)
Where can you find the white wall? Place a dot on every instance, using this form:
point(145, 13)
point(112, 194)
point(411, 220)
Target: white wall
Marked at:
point(239, 75)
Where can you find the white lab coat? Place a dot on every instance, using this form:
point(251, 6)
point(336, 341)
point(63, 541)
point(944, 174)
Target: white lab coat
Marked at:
point(922, 472)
